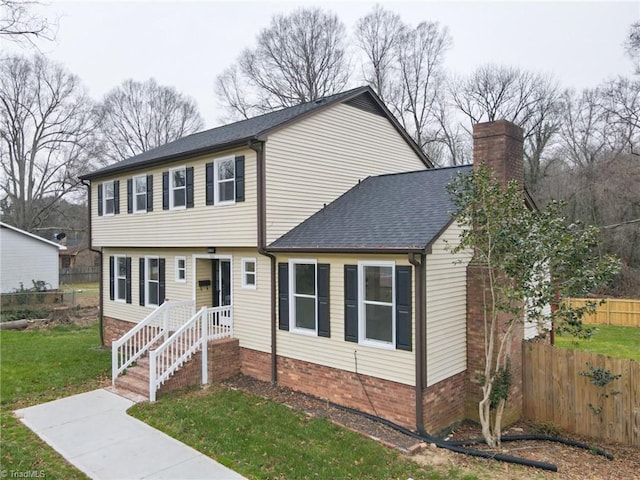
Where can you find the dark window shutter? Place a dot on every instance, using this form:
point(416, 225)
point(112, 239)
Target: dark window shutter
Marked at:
point(100, 200)
point(351, 303)
point(149, 193)
point(129, 195)
point(128, 267)
point(240, 178)
point(161, 282)
point(112, 268)
point(116, 197)
point(141, 282)
point(165, 190)
point(283, 296)
point(209, 183)
point(189, 187)
point(403, 308)
point(324, 328)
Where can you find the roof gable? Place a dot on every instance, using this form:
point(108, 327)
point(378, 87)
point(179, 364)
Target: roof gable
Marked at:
point(397, 212)
point(31, 235)
point(254, 129)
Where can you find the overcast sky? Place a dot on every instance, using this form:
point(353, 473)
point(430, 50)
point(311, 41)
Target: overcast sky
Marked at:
point(187, 44)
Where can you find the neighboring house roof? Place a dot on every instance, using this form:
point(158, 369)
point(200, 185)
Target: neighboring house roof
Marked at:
point(16, 229)
point(403, 212)
point(254, 129)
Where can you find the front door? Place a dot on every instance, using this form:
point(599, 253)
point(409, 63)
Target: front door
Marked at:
point(221, 282)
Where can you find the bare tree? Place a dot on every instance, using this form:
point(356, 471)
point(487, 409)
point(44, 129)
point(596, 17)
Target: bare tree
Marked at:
point(632, 45)
point(18, 22)
point(138, 116)
point(45, 137)
point(379, 35)
point(528, 99)
point(299, 58)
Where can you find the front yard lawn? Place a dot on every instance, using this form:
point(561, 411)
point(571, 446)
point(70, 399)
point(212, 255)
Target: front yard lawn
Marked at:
point(263, 439)
point(38, 366)
point(619, 342)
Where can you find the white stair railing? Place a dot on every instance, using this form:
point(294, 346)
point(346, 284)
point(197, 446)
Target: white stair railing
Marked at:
point(207, 324)
point(156, 326)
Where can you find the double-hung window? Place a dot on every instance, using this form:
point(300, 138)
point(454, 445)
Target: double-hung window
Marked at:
point(181, 269)
point(140, 194)
point(303, 295)
point(178, 188)
point(249, 273)
point(108, 198)
point(120, 283)
point(152, 276)
point(225, 180)
point(377, 293)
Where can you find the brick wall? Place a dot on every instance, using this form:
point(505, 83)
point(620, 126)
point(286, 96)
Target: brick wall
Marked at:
point(499, 145)
point(391, 400)
point(114, 329)
point(443, 404)
point(223, 362)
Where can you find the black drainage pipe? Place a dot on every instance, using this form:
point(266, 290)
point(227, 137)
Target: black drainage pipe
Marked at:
point(457, 446)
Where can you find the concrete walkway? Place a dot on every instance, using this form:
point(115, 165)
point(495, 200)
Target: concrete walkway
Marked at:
point(94, 433)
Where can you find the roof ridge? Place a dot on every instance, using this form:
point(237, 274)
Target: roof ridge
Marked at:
point(435, 169)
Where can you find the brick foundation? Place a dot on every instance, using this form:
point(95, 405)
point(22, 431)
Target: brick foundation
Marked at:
point(391, 400)
point(223, 362)
point(113, 329)
point(443, 404)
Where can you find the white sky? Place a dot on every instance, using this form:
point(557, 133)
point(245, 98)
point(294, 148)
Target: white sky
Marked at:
point(187, 44)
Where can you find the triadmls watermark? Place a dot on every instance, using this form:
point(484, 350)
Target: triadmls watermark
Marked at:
point(22, 474)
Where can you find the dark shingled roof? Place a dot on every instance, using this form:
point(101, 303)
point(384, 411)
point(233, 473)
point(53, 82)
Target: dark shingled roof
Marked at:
point(232, 135)
point(403, 211)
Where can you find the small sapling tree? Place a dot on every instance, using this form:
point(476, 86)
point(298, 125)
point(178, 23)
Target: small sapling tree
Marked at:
point(526, 259)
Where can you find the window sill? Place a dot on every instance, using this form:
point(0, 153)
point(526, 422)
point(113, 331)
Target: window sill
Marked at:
point(249, 287)
point(304, 331)
point(377, 344)
point(183, 207)
point(225, 203)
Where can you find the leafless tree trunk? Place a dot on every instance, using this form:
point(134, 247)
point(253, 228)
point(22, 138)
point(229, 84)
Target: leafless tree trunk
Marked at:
point(379, 35)
point(301, 57)
point(138, 116)
point(45, 133)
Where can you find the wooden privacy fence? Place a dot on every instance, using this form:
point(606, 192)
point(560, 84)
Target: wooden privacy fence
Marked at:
point(615, 311)
point(554, 391)
point(79, 275)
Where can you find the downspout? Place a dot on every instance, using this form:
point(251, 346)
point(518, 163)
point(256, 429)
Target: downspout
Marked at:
point(99, 252)
point(420, 309)
point(259, 147)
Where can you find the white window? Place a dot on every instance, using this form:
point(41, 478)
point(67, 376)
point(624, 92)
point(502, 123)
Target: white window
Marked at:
point(108, 198)
point(249, 273)
point(377, 303)
point(120, 280)
point(178, 188)
point(140, 194)
point(181, 269)
point(152, 281)
point(303, 296)
point(225, 180)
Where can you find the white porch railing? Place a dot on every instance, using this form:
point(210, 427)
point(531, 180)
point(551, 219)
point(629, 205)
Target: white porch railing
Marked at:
point(156, 326)
point(207, 324)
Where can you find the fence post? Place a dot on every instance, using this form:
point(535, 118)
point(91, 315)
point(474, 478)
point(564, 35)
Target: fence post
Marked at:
point(152, 376)
point(114, 363)
point(73, 298)
point(205, 346)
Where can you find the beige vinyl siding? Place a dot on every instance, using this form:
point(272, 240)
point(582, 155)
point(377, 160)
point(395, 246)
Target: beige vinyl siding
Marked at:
point(313, 161)
point(250, 306)
point(202, 225)
point(335, 352)
point(446, 308)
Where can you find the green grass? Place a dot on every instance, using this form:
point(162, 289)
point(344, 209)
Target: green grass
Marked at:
point(262, 439)
point(38, 366)
point(619, 342)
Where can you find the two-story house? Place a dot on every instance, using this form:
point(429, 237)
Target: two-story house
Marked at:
point(317, 236)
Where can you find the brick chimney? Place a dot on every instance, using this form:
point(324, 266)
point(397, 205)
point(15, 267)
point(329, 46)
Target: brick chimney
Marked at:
point(499, 145)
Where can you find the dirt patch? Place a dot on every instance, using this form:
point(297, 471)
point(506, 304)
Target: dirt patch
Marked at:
point(81, 316)
point(573, 463)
